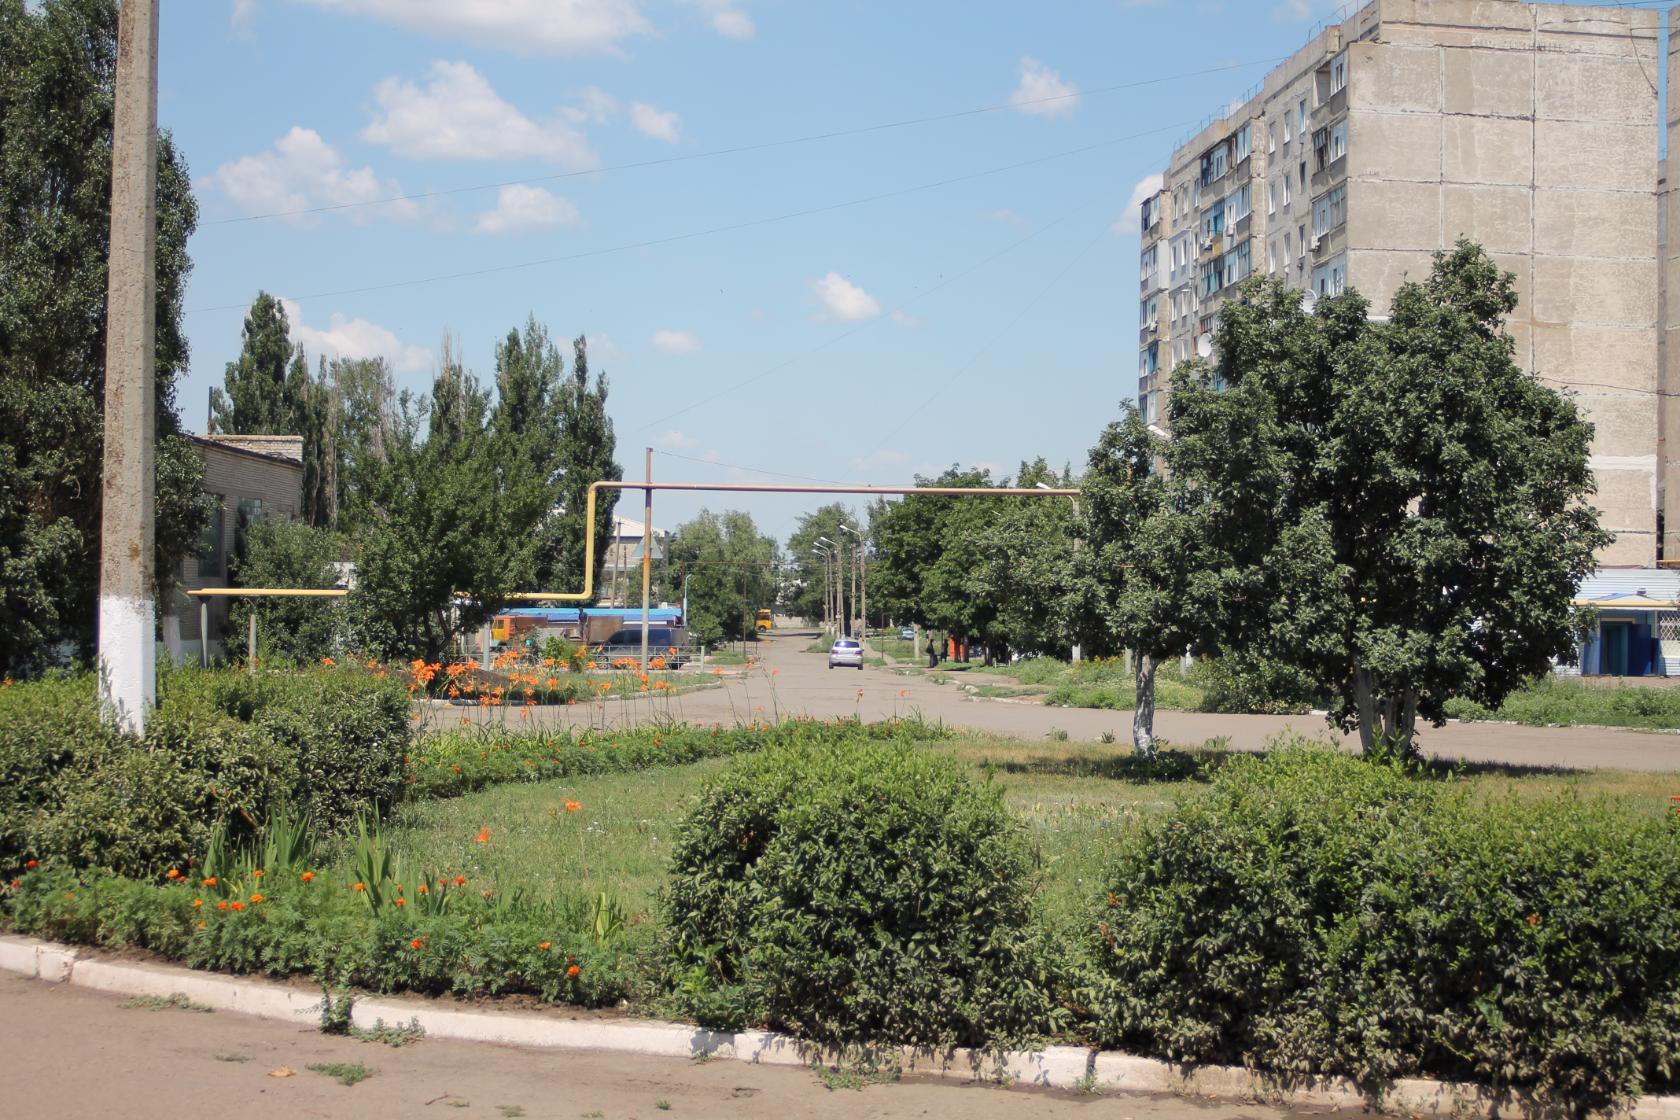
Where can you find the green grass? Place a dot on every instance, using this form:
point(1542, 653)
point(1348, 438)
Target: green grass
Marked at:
point(1076, 800)
point(176, 1001)
point(1554, 701)
point(345, 1073)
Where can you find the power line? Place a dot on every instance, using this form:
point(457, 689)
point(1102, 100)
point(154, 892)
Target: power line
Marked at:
point(730, 228)
point(992, 342)
point(738, 149)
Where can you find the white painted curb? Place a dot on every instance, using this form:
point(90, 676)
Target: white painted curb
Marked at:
point(1054, 1067)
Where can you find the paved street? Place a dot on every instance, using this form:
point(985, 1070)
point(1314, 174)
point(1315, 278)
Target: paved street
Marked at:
point(792, 682)
point(72, 1053)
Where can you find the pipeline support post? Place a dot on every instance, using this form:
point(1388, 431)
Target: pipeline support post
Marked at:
point(647, 556)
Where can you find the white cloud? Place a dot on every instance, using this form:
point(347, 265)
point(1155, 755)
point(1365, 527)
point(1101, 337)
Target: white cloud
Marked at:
point(602, 348)
point(1008, 217)
point(905, 319)
point(727, 18)
point(1132, 220)
point(1293, 10)
point(522, 209)
point(1043, 92)
point(355, 338)
point(598, 107)
point(675, 342)
point(524, 26)
point(844, 299)
point(243, 11)
point(303, 171)
point(459, 116)
point(676, 439)
point(666, 126)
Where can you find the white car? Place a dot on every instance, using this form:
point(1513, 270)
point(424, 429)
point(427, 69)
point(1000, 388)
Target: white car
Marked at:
point(847, 652)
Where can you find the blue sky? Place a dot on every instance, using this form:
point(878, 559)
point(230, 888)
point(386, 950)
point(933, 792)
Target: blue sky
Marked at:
point(981, 312)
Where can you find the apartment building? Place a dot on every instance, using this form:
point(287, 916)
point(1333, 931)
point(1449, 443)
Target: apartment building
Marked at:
point(1531, 128)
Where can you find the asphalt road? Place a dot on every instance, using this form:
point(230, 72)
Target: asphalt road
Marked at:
point(71, 1053)
point(789, 681)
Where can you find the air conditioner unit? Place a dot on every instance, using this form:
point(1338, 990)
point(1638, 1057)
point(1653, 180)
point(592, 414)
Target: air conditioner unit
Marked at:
point(1313, 244)
point(1207, 243)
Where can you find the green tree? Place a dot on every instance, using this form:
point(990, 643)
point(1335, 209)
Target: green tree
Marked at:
point(256, 397)
point(1025, 550)
point(283, 553)
point(57, 65)
point(585, 455)
point(1402, 510)
point(928, 549)
point(450, 515)
point(802, 592)
point(361, 404)
point(730, 571)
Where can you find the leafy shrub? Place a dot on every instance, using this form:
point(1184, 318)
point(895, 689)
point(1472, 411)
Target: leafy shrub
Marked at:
point(281, 553)
point(223, 750)
point(1234, 684)
point(321, 927)
point(1316, 914)
point(857, 893)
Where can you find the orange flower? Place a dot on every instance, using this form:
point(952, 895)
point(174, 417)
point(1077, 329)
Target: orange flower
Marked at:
point(543, 946)
point(573, 806)
point(573, 971)
point(210, 882)
point(16, 883)
point(483, 836)
point(415, 944)
point(32, 863)
point(237, 905)
point(399, 902)
point(172, 874)
point(256, 898)
point(197, 902)
point(1534, 919)
point(328, 662)
point(460, 881)
point(359, 887)
point(257, 874)
point(202, 924)
point(307, 876)
point(221, 905)
point(424, 888)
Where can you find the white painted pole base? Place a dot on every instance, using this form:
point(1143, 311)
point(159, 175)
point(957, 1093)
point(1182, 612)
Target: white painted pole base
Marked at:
point(128, 681)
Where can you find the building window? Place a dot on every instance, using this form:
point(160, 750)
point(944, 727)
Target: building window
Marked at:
point(1286, 249)
point(1303, 176)
point(1301, 240)
point(1149, 260)
point(1213, 223)
point(1286, 190)
point(1321, 149)
point(1242, 143)
point(1213, 276)
point(1238, 205)
point(212, 560)
point(1301, 117)
point(1330, 278)
point(1321, 216)
point(1338, 74)
point(1215, 162)
point(1288, 133)
point(1239, 263)
point(1271, 137)
point(1338, 140)
point(1151, 211)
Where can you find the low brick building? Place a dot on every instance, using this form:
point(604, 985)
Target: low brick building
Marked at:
point(252, 477)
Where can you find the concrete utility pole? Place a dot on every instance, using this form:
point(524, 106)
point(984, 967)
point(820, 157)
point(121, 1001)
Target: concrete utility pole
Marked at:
point(828, 601)
point(647, 555)
point(837, 575)
point(127, 649)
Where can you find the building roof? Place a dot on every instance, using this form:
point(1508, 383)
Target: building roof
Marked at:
point(630, 528)
point(1631, 589)
point(287, 449)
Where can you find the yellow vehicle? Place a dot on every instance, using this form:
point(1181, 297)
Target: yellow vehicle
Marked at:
point(764, 621)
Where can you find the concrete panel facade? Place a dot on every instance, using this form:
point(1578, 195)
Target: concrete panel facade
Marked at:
point(1530, 129)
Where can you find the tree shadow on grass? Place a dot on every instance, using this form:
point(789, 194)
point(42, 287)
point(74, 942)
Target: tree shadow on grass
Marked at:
point(1168, 765)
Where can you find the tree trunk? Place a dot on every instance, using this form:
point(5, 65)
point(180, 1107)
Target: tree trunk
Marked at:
point(1367, 704)
point(1143, 712)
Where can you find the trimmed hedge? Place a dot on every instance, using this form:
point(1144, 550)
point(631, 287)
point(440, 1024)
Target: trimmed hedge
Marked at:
point(857, 893)
point(1318, 914)
point(223, 749)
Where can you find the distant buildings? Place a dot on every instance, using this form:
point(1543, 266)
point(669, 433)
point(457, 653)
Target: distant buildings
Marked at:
point(1531, 128)
point(621, 569)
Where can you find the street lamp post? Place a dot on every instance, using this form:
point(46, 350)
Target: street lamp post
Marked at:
point(860, 587)
point(827, 601)
point(1073, 498)
point(839, 615)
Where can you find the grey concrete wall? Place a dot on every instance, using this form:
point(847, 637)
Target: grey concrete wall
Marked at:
point(1531, 129)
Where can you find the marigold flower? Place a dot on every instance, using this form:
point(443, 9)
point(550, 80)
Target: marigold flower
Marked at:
point(573, 806)
point(415, 944)
point(221, 905)
point(257, 898)
point(197, 902)
point(172, 874)
point(32, 863)
point(359, 887)
point(16, 883)
point(237, 905)
point(399, 902)
point(483, 836)
point(543, 945)
point(210, 882)
point(328, 662)
point(573, 971)
point(202, 924)
point(460, 881)
point(257, 874)
point(424, 888)
point(307, 876)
